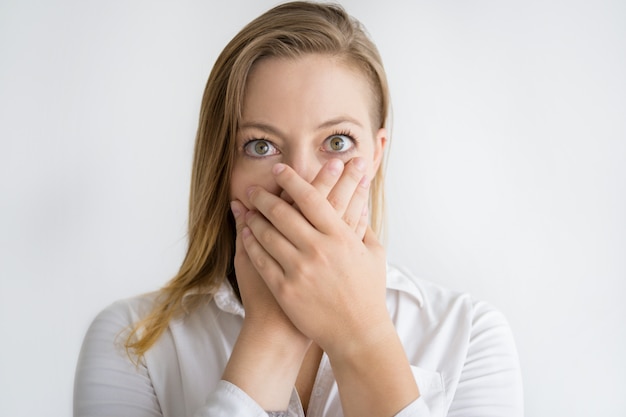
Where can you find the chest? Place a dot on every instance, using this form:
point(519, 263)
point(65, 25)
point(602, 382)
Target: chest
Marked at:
point(308, 374)
point(316, 388)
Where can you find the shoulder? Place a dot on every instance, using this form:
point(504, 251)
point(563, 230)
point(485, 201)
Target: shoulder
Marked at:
point(437, 312)
point(106, 376)
point(425, 295)
point(134, 307)
point(464, 342)
point(120, 315)
point(428, 295)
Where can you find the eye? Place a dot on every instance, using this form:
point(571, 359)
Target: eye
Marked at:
point(338, 143)
point(259, 148)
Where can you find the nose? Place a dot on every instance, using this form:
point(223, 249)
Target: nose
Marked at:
point(305, 164)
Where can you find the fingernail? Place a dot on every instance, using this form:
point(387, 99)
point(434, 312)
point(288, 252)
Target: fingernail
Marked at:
point(364, 212)
point(278, 168)
point(365, 182)
point(250, 190)
point(234, 207)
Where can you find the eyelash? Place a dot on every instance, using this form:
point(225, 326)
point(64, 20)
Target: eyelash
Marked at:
point(344, 132)
point(347, 134)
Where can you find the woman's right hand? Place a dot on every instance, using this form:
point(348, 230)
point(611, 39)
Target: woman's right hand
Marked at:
point(340, 185)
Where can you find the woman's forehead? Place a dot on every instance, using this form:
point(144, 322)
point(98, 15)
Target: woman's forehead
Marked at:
point(314, 88)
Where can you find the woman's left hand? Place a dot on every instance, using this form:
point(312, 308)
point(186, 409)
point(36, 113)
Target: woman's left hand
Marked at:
point(329, 281)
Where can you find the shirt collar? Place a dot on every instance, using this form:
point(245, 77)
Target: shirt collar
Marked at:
point(400, 279)
point(227, 300)
point(224, 297)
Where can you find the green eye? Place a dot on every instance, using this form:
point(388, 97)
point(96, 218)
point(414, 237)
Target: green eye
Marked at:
point(260, 147)
point(338, 143)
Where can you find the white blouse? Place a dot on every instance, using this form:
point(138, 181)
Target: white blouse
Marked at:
point(461, 352)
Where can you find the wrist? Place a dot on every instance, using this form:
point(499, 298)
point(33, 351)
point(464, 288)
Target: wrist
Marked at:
point(277, 336)
point(265, 364)
point(374, 374)
point(364, 345)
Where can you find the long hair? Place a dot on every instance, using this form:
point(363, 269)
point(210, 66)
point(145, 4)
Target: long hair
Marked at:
point(288, 30)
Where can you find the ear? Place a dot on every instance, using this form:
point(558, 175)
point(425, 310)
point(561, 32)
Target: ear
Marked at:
point(380, 141)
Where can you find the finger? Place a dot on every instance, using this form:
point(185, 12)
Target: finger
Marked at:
point(358, 203)
point(363, 223)
point(281, 216)
point(265, 265)
point(342, 193)
point(241, 257)
point(315, 208)
point(269, 237)
point(325, 179)
point(328, 176)
point(241, 261)
point(239, 213)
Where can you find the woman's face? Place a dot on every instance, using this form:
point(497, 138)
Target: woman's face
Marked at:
point(303, 112)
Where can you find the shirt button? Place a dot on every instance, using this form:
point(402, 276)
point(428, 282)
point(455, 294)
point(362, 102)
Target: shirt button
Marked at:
point(318, 391)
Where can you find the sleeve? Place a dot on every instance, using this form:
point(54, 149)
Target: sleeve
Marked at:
point(229, 400)
point(417, 408)
point(107, 382)
point(490, 383)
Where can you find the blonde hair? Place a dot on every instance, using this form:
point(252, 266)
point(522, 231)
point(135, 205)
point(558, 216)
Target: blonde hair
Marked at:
point(288, 30)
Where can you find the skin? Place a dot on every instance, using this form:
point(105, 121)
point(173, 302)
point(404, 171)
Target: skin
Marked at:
point(310, 271)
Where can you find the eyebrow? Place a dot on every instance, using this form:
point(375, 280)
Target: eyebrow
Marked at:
point(276, 131)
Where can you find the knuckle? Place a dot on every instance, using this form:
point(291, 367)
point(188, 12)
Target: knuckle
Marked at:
point(319, 256)
point(350, 221)
point(283, 290)
point(277, 210)
point(310, 197)
point(378, 250)
point(300, 270)
point(260, 262)
point(267, 236)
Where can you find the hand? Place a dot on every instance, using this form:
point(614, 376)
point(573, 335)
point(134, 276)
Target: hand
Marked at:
point(328, 281)
point(347, 190)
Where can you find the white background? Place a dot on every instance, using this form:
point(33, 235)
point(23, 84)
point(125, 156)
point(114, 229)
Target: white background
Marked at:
point(506, 178)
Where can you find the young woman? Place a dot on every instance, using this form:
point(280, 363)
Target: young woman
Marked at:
point(284, 304)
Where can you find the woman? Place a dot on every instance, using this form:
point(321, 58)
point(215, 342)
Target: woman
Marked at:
point(287, 169)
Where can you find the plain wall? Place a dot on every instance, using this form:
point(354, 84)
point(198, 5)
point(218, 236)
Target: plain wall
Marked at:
point(506, 177)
